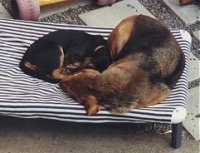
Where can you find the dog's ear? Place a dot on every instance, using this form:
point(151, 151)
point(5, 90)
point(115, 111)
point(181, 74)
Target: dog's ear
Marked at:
point(120, 35)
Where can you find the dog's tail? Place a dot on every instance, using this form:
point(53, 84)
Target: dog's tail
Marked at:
point(172, 79)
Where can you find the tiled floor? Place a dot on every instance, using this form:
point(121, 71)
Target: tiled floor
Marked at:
point(110, 16)
point(189, 13)
point(3, 12)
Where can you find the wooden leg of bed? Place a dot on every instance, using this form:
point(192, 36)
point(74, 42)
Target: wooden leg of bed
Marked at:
point(176, 136)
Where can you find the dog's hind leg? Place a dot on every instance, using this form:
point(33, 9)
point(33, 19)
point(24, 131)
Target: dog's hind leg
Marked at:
point(157, 95)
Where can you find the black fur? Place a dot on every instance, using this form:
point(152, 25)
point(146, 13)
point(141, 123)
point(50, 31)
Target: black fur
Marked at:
point(76, 45)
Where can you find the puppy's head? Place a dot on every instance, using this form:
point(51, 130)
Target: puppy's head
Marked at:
point(41, 59)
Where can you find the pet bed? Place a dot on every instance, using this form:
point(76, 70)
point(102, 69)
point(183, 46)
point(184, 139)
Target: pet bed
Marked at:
point(27, 97)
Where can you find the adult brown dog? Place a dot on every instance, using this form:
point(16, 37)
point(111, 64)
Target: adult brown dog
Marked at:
point(147, 62)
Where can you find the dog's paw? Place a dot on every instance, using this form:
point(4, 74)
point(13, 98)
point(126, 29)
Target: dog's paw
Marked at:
point(93, 109)
point(73, 67)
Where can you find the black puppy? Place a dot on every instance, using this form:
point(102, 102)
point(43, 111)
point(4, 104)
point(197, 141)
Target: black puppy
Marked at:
point(65, 51)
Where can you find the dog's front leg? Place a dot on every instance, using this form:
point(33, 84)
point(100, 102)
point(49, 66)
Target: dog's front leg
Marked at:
point(91, 104)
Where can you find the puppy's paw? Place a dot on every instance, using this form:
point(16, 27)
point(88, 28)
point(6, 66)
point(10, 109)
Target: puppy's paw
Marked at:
point(73, 67)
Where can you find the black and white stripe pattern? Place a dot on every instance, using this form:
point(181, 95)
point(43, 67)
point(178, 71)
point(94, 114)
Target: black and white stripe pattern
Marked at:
point(27, 97)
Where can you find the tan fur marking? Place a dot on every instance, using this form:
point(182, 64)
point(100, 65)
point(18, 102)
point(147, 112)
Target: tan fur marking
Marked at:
point(120, 35)
point(58, 73)
point(62, 56)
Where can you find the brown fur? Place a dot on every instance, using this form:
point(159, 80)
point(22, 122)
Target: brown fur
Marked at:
point(147, 63)
point(120, 35)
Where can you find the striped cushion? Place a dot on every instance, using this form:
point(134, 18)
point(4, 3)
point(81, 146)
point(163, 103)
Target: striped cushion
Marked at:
point(27, 97)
